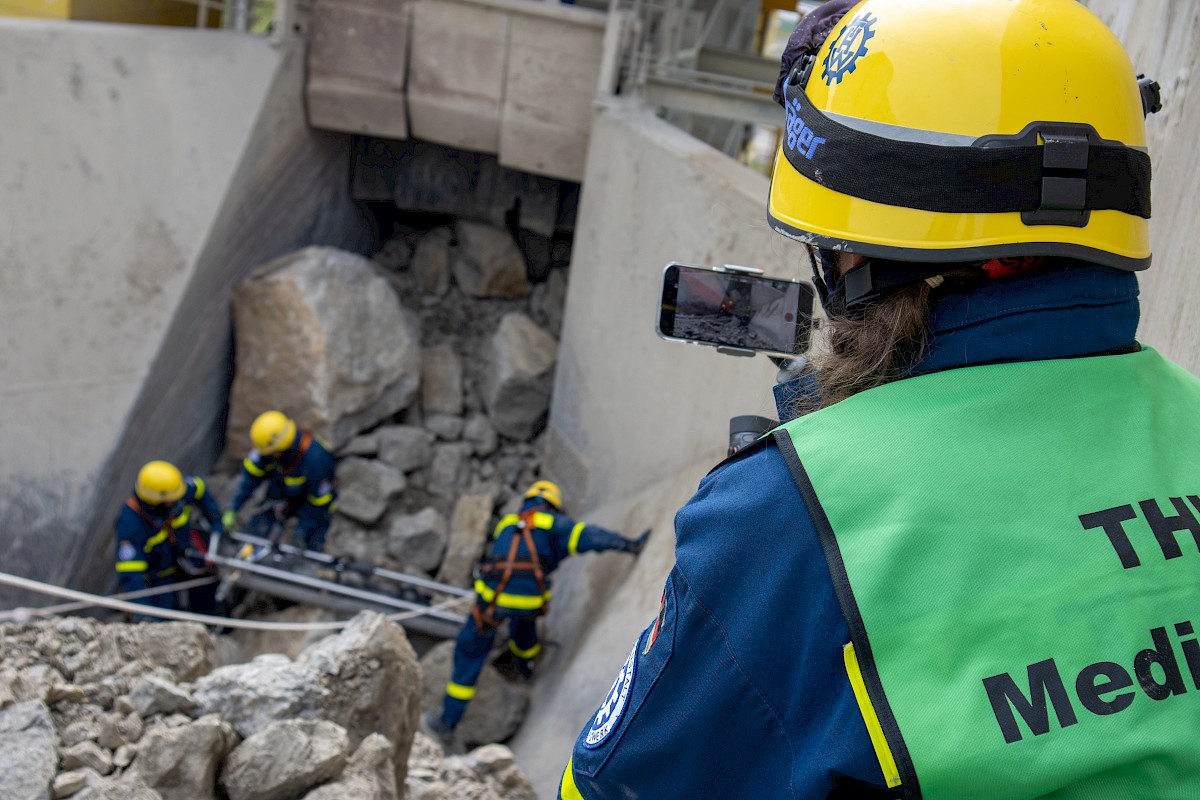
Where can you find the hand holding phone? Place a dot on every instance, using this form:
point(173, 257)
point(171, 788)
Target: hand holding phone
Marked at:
point(735, 309)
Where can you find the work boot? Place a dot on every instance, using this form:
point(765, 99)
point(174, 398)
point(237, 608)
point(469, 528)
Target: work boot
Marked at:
point(433, 726)
point(513, 668)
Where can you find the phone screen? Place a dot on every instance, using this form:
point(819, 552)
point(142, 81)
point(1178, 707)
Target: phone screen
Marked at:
point(735, 309)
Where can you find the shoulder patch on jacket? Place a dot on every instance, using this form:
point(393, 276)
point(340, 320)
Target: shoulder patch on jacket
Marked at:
point(615, 702)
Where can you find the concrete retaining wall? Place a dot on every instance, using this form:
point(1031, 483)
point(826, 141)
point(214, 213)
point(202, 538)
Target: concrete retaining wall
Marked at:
point(146, 170)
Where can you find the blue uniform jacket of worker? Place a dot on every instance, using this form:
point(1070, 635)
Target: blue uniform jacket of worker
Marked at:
point(738, 689)
point(146, 549)
point(564, 537)
point(303, 477)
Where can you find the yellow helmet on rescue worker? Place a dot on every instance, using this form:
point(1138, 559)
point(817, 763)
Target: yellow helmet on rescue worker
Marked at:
point(923, 131)
point(159, 483)
point(272, 432)
point(546, 491)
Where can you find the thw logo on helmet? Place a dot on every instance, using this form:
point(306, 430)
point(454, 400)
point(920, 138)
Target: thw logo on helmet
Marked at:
point(847, 48)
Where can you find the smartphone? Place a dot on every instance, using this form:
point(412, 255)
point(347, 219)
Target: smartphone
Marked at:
point(738, 310)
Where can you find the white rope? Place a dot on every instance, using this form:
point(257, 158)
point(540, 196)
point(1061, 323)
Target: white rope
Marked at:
point(203, 619)
point(22, 614)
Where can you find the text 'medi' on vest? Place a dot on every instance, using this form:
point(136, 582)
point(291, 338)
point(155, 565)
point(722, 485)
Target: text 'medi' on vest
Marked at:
point(1101, 687)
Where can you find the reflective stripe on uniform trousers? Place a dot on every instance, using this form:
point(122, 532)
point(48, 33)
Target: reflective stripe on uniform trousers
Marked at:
point(506, 600)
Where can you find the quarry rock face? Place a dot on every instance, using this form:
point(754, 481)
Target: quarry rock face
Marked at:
point(321, 337)
point(338, 723)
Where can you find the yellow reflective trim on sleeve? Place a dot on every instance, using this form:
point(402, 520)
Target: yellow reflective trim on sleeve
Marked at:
point(199, 487)
point(567, 790)
point(162, 573)
point(529, 653)
point(882, 751)
point(183, 518)
point(573, 543)
point(321, 500)
point(132, 566)
point(297, 481)
point(253, 468)
point(523, 602)
point(155, 540)
point(505, 521)
point(543, 520)
point(460, 692)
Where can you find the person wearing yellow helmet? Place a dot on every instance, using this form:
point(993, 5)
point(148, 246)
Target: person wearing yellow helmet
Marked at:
point(154, 531)
point(513, 585)
point(963, 570)
point(300, 474)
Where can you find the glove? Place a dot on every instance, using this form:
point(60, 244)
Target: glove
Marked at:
point(635, 546)
point(229, 519)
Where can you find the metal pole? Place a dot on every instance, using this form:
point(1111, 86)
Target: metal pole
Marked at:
point(241, 15)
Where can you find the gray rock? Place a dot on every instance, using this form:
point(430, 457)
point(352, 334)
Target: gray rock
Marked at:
point(441, 380)
point(482, 436)
point(365, 444)
point(28, 760)
point(365, 487)
point(301, 323)
point(130, 728)
point(87, 754)
point(123, 788)
point(405, 447)
point(109, 735)
point(548, 301)
point(444, 426)
point(181, 763)
point(124, 755)
point(372, 681)
point(450, 469)
point(418, 539)
point(469, 529)
point(488, 263)
point(496, 712)
point(395, 254)
point(254, 695)
point(431, 262)
point(351, 540)
point(81, 730)
point(517, 387)
point(369, 774)
point(70, 782)
point(153, 695)
point(285, 760)
point(65, 693)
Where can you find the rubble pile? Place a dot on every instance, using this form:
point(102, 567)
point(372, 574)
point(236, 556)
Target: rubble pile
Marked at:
point(93, 711)
point(429, 370)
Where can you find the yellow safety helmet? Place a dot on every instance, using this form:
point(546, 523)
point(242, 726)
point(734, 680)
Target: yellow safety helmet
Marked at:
point(159, 483)
point(967, 130)
point(546, 491)
point(272, 432)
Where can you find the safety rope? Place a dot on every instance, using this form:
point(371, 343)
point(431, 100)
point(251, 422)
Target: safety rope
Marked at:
point(22, 614)
point(204, 619)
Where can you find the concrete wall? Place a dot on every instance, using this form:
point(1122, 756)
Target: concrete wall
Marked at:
point(1163, 40)
point(629, 407)
point(145, 170)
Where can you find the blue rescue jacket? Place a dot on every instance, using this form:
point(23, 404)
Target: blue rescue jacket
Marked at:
point(554, 536)
point(148, 542)
point(738, 689)
point(302, 475)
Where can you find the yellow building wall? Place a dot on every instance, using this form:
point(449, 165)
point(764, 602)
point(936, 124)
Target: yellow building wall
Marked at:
point(142, 12)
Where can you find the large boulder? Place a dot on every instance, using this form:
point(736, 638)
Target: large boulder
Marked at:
point(418, 539)
point(301, 324)
point(496, 712)
point(181, 763)
point(517, 388)
point(252, 696)
point(441, 380)
point(365, 487)
point(469, 530)
point(405, 447)
point(28, 760)
point(285, 760)
point(488, 263)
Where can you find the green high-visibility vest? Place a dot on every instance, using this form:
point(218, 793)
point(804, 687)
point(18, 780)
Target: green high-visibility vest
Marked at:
point(1016, 549)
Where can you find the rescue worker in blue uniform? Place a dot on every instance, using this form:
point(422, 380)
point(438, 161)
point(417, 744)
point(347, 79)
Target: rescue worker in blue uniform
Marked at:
point(154, 530)
point(851, 617)
point(513, 583)
point(300, 474)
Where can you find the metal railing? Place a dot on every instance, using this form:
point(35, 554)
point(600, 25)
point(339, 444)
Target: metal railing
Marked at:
point(270, 17)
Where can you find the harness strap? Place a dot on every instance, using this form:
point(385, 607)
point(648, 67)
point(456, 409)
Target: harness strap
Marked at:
point(305, 442)
point(510, 565)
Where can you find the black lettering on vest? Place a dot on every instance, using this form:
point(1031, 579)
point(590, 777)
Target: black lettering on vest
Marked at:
point(1090, 692)
point(1191, 651)
point(1110, 519)
point(1044, 681)
point(1165, 527)
point(1164, 656)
